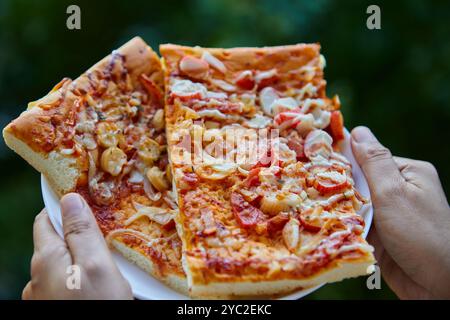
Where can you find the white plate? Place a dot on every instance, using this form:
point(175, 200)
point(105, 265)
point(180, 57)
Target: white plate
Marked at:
point(145, 286)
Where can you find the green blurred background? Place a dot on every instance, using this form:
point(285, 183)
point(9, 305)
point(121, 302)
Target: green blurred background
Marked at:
point(395, 80)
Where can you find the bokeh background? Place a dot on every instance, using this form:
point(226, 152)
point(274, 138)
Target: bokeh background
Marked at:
point(395, 80)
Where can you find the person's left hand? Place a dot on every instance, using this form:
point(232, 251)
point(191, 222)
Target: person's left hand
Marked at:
point(56, 262)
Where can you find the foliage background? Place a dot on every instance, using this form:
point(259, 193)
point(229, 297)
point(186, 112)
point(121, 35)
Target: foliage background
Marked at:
point(395, 80)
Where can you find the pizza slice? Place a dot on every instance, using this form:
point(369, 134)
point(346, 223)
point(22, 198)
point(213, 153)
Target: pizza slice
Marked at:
point(102, 135)
point(267, 203)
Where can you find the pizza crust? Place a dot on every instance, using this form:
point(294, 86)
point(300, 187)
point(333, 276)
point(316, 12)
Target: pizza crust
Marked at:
point(176, 282)
point(238, 59)
point(62, 172)
point(341, 270)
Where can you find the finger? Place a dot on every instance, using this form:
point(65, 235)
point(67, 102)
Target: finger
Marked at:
point(403, 286)
point(81, 231)
point(401, 162)
point(417, 172)
point(27, 292)
point(376, 162)
point(407, 168)
point(51, 255)
point(44, 235)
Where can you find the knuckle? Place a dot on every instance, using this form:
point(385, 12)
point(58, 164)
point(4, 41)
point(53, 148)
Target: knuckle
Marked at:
point(27, 292)
point(43, 255)
point(34, 288)
point(34, 285)
point(76, 227)
point(37, 262)
point(428, 167)
point(55, 252)
point(376, 151)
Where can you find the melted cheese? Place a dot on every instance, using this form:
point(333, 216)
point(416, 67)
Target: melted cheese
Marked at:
point(214, 62)
point(259, 122)
point(308, 90)
point(283, 104)
point(354, 246)
point(215, 114)
point(156, 214)
point(260, 76)
point(223, 85)
point(266, 98)
point(136, 177)
point(333, 176)
point(186, 88)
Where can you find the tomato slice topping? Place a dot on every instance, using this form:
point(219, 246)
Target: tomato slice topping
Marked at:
point(253, 177)
point(269, 81)
point(325, 186)
point(264, 160)
point(246, 214)
point(354, 220)
point(286, 116)
point(277, 223)
point(268, 159)
point(186, 97)
point(246, 82)
point(312, 225)
point(297, 147)
point(337, 125)
point(190, 178)
point(151, 87)
point(169, 225)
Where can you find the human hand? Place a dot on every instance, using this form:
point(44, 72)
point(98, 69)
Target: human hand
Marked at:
point(411, 217)
point(84, 247)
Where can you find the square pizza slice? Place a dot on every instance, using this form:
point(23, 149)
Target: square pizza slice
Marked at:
point(102, 135)
point(267, 203)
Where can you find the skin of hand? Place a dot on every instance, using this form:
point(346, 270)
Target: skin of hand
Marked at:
point(411, 233)
point(84, 246)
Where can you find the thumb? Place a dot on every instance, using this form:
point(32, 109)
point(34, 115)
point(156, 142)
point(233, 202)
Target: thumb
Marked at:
point(376, 162)
point(81, 231)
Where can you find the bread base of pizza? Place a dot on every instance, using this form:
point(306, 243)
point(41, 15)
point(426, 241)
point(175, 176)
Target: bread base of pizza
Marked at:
point(176, 282)
point(61, 173)
point(285, 220)
point(241, 288)
point(102, 135)
point(235, 289)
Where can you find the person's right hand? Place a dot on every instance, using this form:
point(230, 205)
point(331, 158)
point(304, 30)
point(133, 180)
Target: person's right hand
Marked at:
point(412, 220)
point(83, 248)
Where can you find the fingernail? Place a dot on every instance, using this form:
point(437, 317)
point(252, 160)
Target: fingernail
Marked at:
point(72, 204)
point(362, 134)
